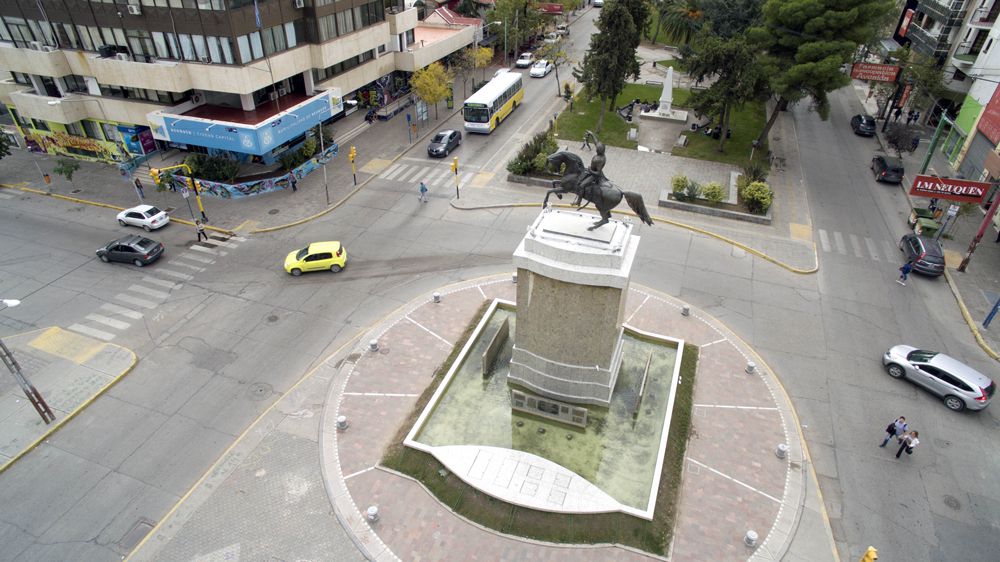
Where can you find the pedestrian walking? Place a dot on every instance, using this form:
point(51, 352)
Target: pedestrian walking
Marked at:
point(907, 443)
point(916, 117)
point(201, 230)
point(423, 192)
point(138, 188)
point(897, 113)
point(294, 184)
point(904, 272)
point(915, 143)
point(586, 141)
point(896, 427)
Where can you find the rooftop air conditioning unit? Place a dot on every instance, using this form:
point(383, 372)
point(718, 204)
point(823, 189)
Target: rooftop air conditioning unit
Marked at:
point(123, 56)
point(299, 4)
point(282, 91)
point(134, 10)
point(35, 45)
point(272, 95)
point(48, 48)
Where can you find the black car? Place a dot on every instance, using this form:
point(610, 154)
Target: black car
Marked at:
point(925, 253)
point(131, 249)
point(887, 169)
point(444, 142)
point(863, 125)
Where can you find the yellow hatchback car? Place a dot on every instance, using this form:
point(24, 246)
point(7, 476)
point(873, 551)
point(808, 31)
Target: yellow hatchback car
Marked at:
point(318, 256)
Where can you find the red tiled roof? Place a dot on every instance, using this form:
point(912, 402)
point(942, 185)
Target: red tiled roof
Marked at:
point(452, 17)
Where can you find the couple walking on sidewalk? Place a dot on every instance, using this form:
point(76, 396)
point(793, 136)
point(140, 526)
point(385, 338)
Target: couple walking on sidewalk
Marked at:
point(907, 439)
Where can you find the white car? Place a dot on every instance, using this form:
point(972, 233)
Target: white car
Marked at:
point(146, 216)
point(552, 38)
point(562, 29)
point(525, 60)
point(541, 69)
point(598, 3)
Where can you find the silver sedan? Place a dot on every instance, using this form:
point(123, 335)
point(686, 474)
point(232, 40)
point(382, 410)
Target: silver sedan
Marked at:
point(959, 385)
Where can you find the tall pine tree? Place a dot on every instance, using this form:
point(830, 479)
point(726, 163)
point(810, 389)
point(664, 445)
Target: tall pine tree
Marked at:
point(610, 57)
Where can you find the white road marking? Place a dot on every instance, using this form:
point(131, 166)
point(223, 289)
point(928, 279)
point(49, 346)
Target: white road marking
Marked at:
point(195, 257)
point(727, 477)
point(171, 273)
point(187, 265)
point(381, 394)
point(148, 292)
point(409, 174)
point(872, 249)
point(362, 471)
point(88, 331)
point(162, 283)
point(200, 248)
point(892, 253)
point(422, 327)
point(824, 240)
point(135, 301)
point(856, 244)
point(838, 239)
point(121, 310)
point(117, 324)
point(392, 171)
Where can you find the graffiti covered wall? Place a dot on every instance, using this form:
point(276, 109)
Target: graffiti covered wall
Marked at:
point(59, 143)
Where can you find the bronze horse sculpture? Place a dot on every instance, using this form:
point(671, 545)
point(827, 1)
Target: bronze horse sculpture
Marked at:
point(592, 187)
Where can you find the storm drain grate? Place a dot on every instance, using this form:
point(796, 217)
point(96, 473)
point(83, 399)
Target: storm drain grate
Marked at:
point(138, 531)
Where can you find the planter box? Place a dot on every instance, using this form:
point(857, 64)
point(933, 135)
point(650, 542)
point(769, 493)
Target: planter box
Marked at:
point(667, 200)
point(532, 180)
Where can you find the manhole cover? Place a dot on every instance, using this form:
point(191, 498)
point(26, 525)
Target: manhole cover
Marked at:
point(259, 390)
point(952, 502)
point(273, 212)
point(76, 191)
point(272, 318)
point(141, 528)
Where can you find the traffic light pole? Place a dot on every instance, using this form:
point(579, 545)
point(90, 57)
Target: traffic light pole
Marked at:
point(454, 168)
point(354, 170)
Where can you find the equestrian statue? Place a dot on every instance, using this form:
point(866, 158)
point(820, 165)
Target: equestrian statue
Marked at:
point(590, 184)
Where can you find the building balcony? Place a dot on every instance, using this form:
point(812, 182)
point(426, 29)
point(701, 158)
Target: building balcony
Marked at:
point(400, 21)
point(73, 108)
point(964, 62)
point(8, 87)
point(985, 17)
point(30, 61)
point(432, 43)
point(358, 76)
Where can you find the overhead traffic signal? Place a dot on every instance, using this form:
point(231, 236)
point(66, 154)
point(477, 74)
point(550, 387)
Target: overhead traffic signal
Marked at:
point(352, 154)
point(454, 165)
point(871, 555)
point(155, 174)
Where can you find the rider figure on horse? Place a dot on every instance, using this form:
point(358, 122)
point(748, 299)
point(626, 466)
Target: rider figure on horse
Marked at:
point(594, 177)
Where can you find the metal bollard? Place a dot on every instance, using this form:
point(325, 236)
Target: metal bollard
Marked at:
point(514, 278)
point(372, 513)
point(751, 368)
point(342, 423)
point(436, 296)
point(781, 451)
point(685, 310)
point(373, 345)
point(750, 539)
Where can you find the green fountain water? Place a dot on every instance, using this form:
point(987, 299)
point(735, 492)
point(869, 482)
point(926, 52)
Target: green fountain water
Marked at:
point(617, 452)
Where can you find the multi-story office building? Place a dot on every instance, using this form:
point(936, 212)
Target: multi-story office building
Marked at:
point(114, 79)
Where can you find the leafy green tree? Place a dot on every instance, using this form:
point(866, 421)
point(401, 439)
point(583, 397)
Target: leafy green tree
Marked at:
point(925, 76)
point(805, 44)
point(482, 58)
point(521, 20)
point(431, 84)
point(737, 78)
point(640, 12)
point(468, 8)
point(610, 57)
point(462, 63)
point(554, 53)
point(679, 19)
point(66, 168)
point(732, 17)
point(900, 137)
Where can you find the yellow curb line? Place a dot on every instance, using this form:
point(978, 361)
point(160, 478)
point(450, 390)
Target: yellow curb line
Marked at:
point(968, 318)
point(75, 411)
point(105, 205)
point(720, 237)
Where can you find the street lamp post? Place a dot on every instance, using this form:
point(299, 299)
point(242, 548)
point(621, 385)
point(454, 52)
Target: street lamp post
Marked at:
point(29, 389)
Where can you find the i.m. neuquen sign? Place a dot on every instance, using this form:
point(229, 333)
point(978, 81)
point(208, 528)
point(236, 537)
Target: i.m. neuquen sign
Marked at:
point(950, 189)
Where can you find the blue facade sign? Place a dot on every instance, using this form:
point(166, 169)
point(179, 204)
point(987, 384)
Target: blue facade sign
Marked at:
point(251, 139)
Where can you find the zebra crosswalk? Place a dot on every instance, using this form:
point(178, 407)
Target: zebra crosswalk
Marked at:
point(433, 174)
point(145, 296)
point(860, 247)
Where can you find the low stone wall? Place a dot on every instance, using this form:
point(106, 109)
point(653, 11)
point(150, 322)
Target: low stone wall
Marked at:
point(531, 180)
point(668, 202)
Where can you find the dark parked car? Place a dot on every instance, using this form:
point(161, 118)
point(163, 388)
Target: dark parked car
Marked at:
point(887, 169)
point(131, 249)
point(925, 253)
point(444, 142)
point(863, 125)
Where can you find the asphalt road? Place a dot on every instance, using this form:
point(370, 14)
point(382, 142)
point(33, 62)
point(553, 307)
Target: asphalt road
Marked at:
point(940, 503)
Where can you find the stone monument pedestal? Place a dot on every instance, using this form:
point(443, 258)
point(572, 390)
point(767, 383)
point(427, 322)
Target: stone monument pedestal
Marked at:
point(571, 291)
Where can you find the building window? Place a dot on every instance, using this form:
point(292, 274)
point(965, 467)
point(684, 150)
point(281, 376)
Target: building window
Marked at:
point(22, 121)
point(21, 78)
point(110, 131)
point(91, 130)
point(39, 125)
point(345, 22)
point(959, 76)
point(327, 27)
point(74, 129)
point(74, 83)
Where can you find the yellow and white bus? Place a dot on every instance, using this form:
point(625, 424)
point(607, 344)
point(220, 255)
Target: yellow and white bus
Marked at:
point(486, 108)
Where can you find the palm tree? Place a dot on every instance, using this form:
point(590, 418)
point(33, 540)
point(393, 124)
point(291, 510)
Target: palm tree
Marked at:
point(679, 19)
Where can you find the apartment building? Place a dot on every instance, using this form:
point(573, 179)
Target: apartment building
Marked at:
point(113, 80)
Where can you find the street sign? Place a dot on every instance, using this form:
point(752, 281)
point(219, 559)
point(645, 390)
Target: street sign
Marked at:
point(184, 192)
point(950, 189)
point(952, 210)
point(877, 72)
